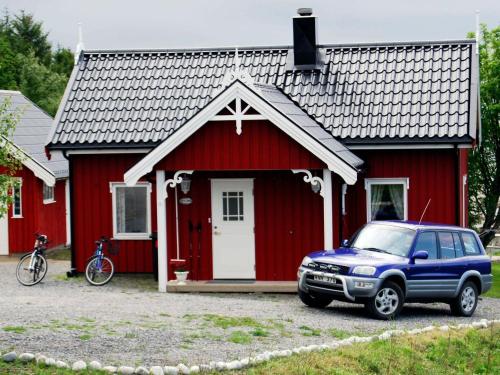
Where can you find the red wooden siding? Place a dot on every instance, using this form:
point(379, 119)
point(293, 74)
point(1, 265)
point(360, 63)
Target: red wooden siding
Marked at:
point(262, 145)
point(49, 219)
point(92, 211)
point(432, 175)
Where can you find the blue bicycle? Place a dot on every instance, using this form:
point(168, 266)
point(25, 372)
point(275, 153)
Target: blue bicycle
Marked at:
point(100, 269)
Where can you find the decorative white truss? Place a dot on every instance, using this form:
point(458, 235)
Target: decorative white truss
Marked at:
point(176, 180)
point(313, 180)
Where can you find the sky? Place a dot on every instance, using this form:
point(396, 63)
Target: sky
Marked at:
point(146, 24)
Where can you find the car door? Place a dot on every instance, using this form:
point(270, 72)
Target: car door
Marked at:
point(452, 265)
point(423, 278)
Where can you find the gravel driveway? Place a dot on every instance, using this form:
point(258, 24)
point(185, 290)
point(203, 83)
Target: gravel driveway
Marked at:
point(127, 322)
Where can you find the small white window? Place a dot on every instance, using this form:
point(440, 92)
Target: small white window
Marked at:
point(48, 194)
point(386, 198)
point(131, 211)
point(17, 199)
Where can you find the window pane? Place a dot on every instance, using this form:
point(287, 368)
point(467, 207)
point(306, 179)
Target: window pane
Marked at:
point(387, 202)
point(471, 246)
point(48, 192)
point(232, 206)
point(427, 241)
point(447, 245)
point(17, 201)
point(131, 209)
point(459, 251)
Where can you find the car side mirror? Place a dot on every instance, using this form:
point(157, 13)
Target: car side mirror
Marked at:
point(345, 243)
point(420, 254)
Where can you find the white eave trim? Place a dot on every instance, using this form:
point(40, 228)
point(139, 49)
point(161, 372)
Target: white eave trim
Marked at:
point(104, 151)
point(238, 89)
point(33, 165)
point(416, 146)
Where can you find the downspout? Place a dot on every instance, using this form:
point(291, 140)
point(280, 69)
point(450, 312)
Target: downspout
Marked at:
point(72, 271)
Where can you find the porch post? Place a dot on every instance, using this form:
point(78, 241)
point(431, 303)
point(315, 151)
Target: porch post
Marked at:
point(328, 209)
point(161, 219)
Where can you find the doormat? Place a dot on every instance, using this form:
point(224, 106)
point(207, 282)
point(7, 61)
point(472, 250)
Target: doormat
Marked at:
point(231, 281)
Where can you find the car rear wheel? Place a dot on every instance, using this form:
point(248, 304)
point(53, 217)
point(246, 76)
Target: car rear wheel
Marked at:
point(387, 303)
point(314, 300)
point(466, 302)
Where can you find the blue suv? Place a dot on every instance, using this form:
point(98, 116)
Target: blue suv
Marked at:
point(386, 264)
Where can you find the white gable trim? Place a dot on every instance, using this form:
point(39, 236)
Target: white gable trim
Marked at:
point(238, 89)
point(33, 165)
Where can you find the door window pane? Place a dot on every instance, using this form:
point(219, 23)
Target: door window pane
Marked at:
point(232, 206)
point(387, 202)
point(447, 245)
point(470, 243)
point(131, 209)
point(427, 241)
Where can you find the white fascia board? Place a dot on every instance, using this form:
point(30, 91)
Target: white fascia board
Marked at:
point(104, 151)
point(238, 89)
point(416, 146)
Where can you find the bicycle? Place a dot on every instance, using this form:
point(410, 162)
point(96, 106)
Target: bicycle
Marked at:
point(32, 267)
point(100, 269)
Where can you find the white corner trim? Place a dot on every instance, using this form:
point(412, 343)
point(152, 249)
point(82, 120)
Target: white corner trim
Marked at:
point(161, 219)
point(238, 89)
point(308, 178)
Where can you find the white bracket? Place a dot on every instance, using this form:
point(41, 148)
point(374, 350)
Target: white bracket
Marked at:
point(308, 178)
point(176, 180)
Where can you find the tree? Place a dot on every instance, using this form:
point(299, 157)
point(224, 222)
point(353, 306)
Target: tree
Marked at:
point(62, 61)
point(484, 161)
point(10, 156)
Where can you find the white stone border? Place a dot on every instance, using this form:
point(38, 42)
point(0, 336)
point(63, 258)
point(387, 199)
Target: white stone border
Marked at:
point(236, 364)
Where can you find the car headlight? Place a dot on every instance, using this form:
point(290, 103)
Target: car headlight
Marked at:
point(364, 270)
point(306, 261)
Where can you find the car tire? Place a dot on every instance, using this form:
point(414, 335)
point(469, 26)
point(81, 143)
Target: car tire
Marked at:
point(314, 300)
point(387, 302)
point(466, 302)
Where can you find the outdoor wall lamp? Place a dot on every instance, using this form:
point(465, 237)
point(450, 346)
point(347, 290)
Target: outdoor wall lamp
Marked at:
point(186, 184)
point(316, 187)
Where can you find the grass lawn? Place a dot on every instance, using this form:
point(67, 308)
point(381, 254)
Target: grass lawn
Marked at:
point(454, 352)
point(60, 253)
point(495, 289)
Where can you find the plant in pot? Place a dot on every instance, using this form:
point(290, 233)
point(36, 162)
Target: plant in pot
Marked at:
point(181, 273)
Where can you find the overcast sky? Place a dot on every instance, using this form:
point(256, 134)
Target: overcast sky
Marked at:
point(124, 24)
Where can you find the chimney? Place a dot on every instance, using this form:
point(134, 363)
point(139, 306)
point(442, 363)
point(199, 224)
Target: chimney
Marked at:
point(305, 54)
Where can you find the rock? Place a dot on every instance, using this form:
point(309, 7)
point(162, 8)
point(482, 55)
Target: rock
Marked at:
point(40, 359)
point(141, 370)
point(125, 370)
point(183, 369)
point(245, 362)
point(205, 368)
point(95, 365)
point(61, 364)
point(234, 365)
point(109, 369)
point(220, 366)
point(156, 370)
point(171, 370)
point(194, 369)
point(9, 357)
point(50, 362)
point(79, 366)
point(27, 357)
point(444, 328)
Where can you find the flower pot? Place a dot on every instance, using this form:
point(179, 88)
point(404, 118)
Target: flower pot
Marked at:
point(181, 277)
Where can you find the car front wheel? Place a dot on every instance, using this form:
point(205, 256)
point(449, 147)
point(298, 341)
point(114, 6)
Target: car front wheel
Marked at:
point(314, 300)
point(387, 303)
point(466, 302)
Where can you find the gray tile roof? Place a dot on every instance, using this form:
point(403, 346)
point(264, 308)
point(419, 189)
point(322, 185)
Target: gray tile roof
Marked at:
point(390, 92)
point(32, 130)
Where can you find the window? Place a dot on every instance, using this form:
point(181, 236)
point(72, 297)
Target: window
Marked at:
point(459, 251)
point(386, 198)
point(447, 245)
point(131, 211)
point(470, 244)
point(388, 238)
point(17, 199)
point(48, 194)
point(232, 206)
point(427, 241)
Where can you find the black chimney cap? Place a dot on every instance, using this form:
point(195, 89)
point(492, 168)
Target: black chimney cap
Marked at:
point(305, 12)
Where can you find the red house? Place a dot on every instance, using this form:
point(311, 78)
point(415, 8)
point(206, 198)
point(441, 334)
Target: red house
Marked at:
point(243, 160)
point(39, 201)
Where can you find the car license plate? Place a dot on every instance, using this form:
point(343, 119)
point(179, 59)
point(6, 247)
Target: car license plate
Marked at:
point(326, 279)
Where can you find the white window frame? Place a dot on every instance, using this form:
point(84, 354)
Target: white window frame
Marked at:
point(48, 200)
point(20, 215)
point(131, 236)
point(405, 181)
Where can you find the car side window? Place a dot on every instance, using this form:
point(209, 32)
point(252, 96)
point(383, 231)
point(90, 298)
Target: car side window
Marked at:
point(447, 245)
point(427, 241)
point(470, 244)
point(459, 251)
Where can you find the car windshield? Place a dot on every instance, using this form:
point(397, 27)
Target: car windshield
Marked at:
point(385, 239)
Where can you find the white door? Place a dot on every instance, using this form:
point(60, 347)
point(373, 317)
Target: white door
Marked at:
point(4, 235)
point(233, 239)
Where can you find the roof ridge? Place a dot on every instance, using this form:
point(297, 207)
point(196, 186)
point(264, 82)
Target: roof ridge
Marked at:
point(282, 47)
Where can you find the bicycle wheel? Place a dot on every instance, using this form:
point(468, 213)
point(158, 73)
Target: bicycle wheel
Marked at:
point(99, 271)
point(29, 276)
